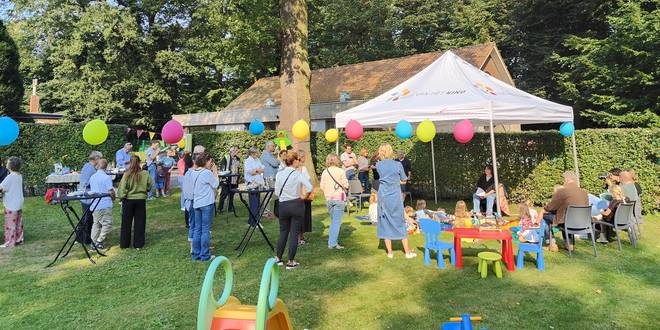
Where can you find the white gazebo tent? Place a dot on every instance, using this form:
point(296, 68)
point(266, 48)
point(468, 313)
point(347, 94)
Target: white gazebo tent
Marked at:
point(450, 90)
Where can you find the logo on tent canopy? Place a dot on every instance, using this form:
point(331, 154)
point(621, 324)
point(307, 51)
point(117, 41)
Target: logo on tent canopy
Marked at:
point(398, 95)
point(485, 88)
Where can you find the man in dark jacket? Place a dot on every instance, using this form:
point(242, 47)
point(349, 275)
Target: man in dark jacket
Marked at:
point(555, 211)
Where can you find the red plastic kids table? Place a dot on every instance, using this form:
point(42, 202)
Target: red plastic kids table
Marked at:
point(504, 236)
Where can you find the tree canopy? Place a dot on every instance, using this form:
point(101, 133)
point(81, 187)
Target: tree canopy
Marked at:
point(138, 62)
point(11, 86)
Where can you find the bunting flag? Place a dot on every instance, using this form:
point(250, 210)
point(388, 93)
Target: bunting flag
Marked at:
point(151, 135)
point(128, 130)
point(139, 132)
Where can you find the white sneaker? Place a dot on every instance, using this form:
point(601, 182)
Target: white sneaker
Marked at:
point(410, 255)
point(390, 255)
point(183, 209)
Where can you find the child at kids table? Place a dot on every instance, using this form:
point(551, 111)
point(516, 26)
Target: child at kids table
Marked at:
point(391, 223)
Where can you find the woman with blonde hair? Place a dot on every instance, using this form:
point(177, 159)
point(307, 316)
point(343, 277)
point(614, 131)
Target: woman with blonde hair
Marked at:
point(391, 223)
point(608, 214)
point(334, 185)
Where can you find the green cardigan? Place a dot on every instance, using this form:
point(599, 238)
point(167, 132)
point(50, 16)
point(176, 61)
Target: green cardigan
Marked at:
point(129, 189)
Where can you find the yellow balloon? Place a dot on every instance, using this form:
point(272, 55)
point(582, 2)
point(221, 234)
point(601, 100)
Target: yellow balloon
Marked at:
point(95, 132)
point(181, 144)
point(300, 130)
point(332, 135)
point(426, 131)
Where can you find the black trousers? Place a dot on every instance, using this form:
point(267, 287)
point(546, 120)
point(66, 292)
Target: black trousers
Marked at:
point(291, 216)
point(226, 192)
point(84, 232)
point(133, 217)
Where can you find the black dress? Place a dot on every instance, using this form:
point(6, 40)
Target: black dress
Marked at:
point(306, 225)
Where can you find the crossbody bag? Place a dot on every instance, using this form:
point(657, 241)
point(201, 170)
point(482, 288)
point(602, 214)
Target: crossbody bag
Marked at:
point(276, 207)
point(338, 185)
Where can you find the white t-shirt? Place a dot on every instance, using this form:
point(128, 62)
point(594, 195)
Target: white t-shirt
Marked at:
point(346, 156)
point(12, 189)
point(101, 183)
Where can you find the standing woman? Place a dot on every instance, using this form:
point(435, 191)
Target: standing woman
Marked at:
point(288, 187)
point(12, 199)
point(374, 171)
point(334, 185)
point(306, 225)
point(133, 189)
point(363, 169)
point(205, 183)
point(391, 224)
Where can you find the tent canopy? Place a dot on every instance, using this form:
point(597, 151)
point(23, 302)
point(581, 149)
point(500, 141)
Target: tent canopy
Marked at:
point(450, 90)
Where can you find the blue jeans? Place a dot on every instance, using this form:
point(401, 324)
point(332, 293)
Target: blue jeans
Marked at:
point(180, 179)
point(364, 180)
point(336, 210)
point(191, 223)
point(152, 173)
point(350, 174)
point(490, 201)
point(202, 233)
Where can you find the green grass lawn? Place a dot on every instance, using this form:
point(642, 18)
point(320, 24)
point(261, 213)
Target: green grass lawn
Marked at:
point(357, 288)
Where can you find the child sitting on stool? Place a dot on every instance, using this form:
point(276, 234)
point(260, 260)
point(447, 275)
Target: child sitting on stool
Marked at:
point(373, 208)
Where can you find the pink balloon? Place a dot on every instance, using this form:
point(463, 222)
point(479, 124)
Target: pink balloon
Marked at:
point(463, 131)
point(172, 132)
point(354, 130)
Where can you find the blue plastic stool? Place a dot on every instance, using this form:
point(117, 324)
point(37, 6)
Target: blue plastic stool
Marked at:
point(464, 324)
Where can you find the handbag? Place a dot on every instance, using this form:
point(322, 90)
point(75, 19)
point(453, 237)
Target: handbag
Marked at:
point(276, 206)
point(338, 185)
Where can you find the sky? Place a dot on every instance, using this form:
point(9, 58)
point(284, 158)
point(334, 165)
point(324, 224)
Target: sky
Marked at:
point(5, 6)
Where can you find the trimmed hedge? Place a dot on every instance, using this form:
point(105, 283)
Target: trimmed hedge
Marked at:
point(529, 163)
point(40, 146)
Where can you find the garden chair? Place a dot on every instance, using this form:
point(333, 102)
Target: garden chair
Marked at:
point(432, 230)
point(634, 222)
point(356, 192)
point(578, 222)
point(533, 248)
point(623, 220)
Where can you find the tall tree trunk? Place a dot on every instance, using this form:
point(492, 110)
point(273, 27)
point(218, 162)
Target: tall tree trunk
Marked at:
point(295, 73)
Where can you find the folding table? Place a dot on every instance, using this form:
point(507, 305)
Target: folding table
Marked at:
point(75, 221)
point(267, 195)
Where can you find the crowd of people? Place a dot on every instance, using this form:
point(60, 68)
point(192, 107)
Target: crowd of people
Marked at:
point(207, 186)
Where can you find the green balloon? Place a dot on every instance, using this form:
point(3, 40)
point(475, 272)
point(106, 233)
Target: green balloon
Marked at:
point(95, 132)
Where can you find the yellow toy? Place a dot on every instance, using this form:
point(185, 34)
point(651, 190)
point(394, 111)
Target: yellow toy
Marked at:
point(227, 313)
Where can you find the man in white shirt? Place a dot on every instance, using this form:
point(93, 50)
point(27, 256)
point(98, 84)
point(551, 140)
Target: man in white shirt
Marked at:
point(253, 171)
point(101, 183)
point(270, 162)
point(349, 162)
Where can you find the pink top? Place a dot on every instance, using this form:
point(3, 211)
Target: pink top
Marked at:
point(526, 223)
point(181, 166)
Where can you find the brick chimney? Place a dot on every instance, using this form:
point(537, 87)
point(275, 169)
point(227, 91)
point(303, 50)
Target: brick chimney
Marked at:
point(34, 98)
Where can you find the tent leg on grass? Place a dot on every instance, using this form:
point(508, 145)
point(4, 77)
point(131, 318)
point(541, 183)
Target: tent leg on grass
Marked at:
point(492, 149)
point(435, 187)
point(575, 159)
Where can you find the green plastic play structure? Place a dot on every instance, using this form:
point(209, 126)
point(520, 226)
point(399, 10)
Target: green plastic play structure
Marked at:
point(227, 312)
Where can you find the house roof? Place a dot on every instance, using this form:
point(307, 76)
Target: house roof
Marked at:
point(362, 81)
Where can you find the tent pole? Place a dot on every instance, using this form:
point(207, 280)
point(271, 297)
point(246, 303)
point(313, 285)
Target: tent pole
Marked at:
point(575, 159)
point(492, 149)
point(435, 187)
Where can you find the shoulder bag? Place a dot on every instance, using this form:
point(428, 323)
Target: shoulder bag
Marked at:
point(338, 185)
point(276, 207)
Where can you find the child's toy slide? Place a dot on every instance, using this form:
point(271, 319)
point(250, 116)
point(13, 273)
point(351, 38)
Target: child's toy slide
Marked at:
point(227, 313)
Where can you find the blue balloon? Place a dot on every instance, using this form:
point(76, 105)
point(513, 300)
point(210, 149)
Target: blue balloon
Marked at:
point(256, 127)
point(404, 129)
point(8, 131)
point(566, 129)
point(603, 204)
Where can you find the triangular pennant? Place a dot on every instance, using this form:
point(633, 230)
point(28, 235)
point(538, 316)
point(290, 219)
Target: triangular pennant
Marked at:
point(151, 135)
point(128, 130)
point(139, 132)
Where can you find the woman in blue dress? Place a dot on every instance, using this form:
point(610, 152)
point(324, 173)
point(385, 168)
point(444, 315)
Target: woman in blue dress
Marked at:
point(391, 224)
